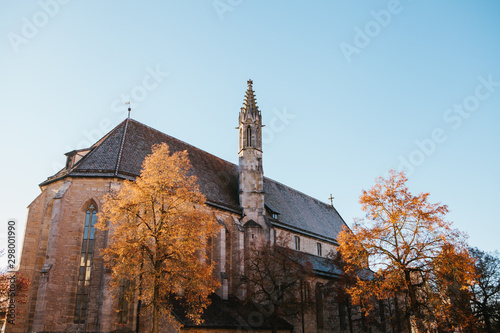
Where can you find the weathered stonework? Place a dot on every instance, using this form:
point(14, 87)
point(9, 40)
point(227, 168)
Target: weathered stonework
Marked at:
point(53, 264)
point(308, 244)
point(251, 173)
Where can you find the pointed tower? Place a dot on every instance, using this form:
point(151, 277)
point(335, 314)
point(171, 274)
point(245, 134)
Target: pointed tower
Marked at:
point(251, 174)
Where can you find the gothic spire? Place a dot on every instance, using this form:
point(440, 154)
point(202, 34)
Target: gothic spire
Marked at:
point(250, 104)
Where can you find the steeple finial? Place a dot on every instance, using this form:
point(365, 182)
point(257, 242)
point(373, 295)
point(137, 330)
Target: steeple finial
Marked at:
point(250, 104)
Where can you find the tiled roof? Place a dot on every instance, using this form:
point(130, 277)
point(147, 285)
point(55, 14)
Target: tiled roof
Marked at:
point(323, 266)
point(301, 212)
point(121, 152)
point(122, 156)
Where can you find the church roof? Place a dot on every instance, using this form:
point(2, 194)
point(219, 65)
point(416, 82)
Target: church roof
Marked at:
point(120, 154)
point(301, 212)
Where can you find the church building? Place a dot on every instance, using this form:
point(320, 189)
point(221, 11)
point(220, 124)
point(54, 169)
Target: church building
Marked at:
point(61, 252)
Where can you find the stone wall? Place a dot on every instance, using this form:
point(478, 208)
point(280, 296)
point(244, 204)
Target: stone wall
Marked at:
point(51, 258)
point(307, 244)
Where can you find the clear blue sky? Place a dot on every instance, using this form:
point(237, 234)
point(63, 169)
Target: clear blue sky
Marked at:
point(348, 90)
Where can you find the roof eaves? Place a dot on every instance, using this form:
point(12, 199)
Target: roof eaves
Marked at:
point(77, 151)
point(223, 207)
point(82, 175)
point(326, 274)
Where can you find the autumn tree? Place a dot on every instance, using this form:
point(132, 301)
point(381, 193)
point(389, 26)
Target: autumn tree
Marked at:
point(14, 288)
point(275, 278)
point(415, 254)
point(350, 314)
point(159, 227)
point(486, 289)
point(450, 290)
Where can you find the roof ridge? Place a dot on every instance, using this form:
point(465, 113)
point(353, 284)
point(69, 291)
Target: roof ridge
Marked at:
point(96, 144)
point(121, 147)
point(62, 173)
point(107, 134)
point(300, 192)
point(184, 142)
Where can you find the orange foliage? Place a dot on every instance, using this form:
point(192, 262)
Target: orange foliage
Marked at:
point(14, 288)
point(158, 232)
point(414, 252)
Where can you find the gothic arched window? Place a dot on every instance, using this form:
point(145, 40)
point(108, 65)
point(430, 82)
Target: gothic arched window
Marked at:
point(86, 256)
point(249, 137)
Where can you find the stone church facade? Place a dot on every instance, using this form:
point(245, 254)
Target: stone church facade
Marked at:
point(61, 247)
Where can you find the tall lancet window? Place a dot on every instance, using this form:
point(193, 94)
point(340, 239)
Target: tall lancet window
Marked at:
point(249, 137)
point(86, 256)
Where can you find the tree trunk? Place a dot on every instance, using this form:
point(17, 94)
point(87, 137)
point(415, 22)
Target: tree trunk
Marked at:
point(397, 315)
point(156, 305)
point(155, 319)
point(416, 321)
point(302, 305)
point(138, 316)
point(486, 317)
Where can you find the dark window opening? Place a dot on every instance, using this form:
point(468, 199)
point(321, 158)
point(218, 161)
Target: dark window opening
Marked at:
point(249, 137)
point(86, 256)
point(319, 248)
point(228, 251)
point(297, 243)
point(272, 213)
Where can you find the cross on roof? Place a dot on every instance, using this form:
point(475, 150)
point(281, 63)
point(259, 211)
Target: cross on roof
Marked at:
point(331, 199)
